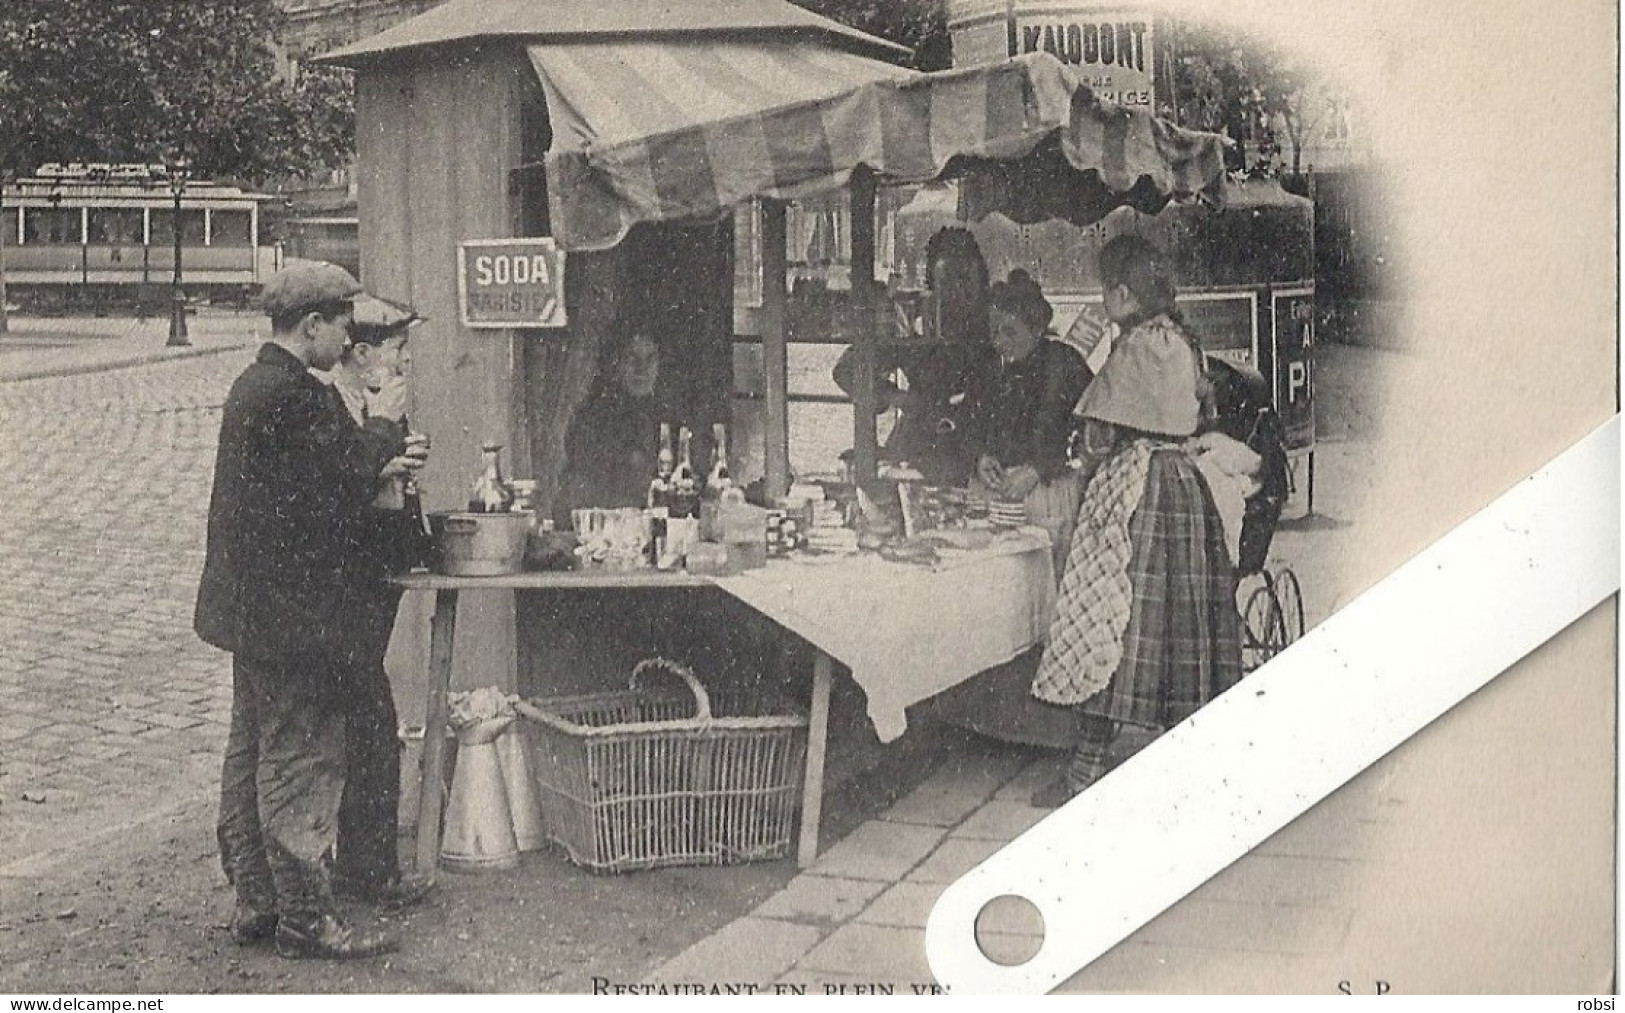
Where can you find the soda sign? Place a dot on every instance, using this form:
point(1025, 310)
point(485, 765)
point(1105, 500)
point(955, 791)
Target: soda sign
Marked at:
point(1293, 311)
point(505, 283)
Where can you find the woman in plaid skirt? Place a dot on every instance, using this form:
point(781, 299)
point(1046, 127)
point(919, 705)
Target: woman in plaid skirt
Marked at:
point(1146, 629)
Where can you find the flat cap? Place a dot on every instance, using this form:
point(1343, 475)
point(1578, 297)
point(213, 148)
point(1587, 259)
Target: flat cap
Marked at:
point(306, 285)
point(377, 320)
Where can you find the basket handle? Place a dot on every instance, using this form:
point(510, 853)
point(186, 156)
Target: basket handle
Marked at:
point(529, 710)
point(702, 699)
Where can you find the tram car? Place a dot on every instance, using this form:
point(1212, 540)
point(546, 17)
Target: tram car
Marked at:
point(96, 236)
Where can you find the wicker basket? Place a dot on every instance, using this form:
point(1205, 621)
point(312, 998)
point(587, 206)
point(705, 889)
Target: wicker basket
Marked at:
point(645, 778)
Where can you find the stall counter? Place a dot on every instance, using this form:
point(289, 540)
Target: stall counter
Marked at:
point(943, 624)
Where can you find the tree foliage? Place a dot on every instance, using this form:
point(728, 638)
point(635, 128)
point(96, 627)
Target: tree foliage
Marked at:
point(153, 80)
point(921, 25)
point(1225, 80)
point(1221, 78)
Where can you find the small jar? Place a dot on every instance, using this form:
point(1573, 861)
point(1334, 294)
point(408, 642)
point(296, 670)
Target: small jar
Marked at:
point(775, 533)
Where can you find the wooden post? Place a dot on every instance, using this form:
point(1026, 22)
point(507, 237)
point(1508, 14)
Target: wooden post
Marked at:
point(812, 785)
point(431, 783)
point(775, 351)
point(865, 448)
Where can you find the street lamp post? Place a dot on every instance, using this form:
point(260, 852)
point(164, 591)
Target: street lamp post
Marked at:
point(177, 295)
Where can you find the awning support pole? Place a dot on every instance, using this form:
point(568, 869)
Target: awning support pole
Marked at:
point(865, 450)
point(775, 352)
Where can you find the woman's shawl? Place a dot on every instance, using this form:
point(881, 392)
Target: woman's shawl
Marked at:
point(1150, 382)
point(1093, 605)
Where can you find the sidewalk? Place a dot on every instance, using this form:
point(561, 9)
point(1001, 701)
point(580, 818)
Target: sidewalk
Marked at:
point(857, 918)
point(36, 347)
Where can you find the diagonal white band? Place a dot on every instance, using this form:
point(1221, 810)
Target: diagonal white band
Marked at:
point(1389, 663)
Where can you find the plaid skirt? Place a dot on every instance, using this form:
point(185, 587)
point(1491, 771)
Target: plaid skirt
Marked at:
point(1182, 646)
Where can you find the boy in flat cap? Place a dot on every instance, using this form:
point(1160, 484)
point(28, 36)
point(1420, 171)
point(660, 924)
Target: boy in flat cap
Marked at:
point(293, 477)
point(391, 541)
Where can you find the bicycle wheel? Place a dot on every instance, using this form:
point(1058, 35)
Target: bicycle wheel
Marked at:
point(1263, 625)
point(1289, 598)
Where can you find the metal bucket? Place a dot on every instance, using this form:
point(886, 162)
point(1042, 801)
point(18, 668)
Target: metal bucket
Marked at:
point(481, 545)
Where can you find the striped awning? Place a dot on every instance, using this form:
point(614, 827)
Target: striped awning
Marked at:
point(661, 130)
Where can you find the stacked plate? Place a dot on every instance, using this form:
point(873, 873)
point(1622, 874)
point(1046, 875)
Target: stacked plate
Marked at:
point(832, 539)
point(826, 514)
point(1005, 514)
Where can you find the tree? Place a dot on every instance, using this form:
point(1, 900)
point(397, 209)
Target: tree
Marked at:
point(1226, 81)
point(155, 81)
point(151, 80)
point(1294, 95)
point(921, 25)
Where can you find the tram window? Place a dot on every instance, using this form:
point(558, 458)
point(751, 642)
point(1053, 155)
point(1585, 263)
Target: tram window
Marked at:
point(191, 227)
point(115, 226)
point(229, 228)
point(8, 225)
point(51, 227)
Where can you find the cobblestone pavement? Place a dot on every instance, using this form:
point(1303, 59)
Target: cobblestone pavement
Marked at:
point(113, 709)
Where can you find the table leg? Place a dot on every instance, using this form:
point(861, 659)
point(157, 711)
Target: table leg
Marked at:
point(431, 783)
point(812, 786)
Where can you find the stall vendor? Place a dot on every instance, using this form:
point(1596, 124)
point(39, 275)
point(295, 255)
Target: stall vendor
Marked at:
point(945, 378)
point(1024, 427)
point(610, 450)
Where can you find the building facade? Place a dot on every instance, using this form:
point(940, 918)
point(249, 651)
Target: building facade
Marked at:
point(315, 26)
point(320, 222)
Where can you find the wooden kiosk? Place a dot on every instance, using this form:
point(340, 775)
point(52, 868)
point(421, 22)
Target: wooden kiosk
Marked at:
point(626, 136)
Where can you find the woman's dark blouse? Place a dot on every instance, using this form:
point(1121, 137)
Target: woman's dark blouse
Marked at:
point(610, 451)
point(949, 379)
point(1028, 418)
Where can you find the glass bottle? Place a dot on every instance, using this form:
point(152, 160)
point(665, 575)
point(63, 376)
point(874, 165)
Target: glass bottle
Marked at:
point(491, 493)
point(658, 502)
point(684, 482)
point(412, 503)
point(721, 485)
point(659, 497)
point(718, 480)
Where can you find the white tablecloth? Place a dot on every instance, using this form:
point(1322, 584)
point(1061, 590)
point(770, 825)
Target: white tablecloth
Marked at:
point(906, 631)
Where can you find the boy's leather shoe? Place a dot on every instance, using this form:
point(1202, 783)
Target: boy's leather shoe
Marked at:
point(251, 925)
point(392, 894)
point(327, 938)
